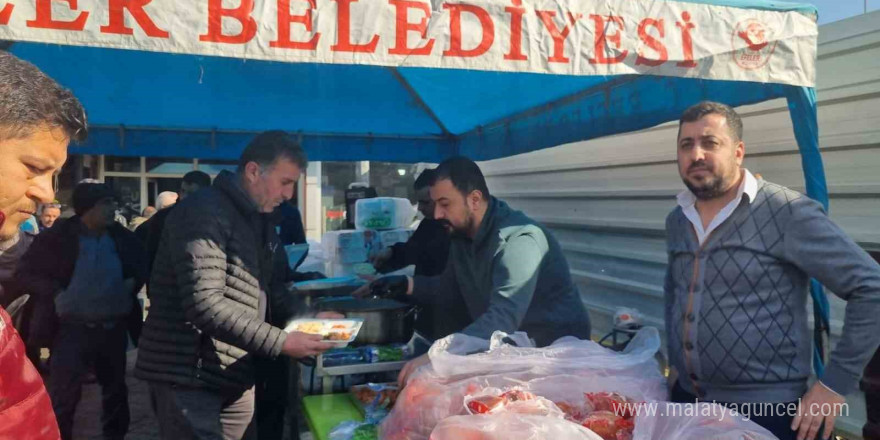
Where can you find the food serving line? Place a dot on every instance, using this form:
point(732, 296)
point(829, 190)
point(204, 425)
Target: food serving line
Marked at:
point(373, 324)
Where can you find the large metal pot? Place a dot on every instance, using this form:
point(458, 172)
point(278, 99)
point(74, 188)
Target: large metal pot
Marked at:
point(312, 296)
point(385, 321)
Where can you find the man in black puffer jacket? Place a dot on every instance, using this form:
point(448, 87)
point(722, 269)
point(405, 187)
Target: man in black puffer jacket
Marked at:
point(214, 291)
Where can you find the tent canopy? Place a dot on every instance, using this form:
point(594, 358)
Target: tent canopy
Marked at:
point(159, 104)
point(178, 102)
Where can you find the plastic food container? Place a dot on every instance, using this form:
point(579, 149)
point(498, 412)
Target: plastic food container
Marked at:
point(374, 396)
point(383, 213)
point(339, 332)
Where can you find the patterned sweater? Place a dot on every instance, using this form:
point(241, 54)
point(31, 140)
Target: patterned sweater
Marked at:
point(736, 308)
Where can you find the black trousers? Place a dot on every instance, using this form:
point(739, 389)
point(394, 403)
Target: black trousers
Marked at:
point(779, 425)
point(870, 384)
point(277, 397)
point(76, 348)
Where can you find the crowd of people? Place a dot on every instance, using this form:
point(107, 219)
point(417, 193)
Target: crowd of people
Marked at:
point(72, 287)
point(213, 350)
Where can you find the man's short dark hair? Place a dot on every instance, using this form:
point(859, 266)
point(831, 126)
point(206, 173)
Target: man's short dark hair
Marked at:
point(269, 146)
point(704, 108)
point(200, 178)
point(424, 180)
point(29, 98)
point(464, 174)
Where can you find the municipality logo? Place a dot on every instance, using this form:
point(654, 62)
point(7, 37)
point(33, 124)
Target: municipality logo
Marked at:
point(753, 44)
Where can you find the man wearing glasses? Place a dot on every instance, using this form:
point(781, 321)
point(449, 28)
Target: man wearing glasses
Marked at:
point(85, 273)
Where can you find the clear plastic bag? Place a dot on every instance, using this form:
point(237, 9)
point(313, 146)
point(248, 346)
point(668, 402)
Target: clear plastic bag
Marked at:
point(702, 421)
point(516, 400)
point(561, 373)
point(462, 355)
point(510, 426)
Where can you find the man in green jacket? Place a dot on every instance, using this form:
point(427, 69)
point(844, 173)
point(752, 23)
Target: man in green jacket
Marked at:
point(510, 270)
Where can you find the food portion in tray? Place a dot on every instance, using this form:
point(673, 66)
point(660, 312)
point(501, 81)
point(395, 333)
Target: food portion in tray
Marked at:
point(339, 331)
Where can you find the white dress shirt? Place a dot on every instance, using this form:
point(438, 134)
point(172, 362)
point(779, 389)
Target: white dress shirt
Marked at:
point(687, 200)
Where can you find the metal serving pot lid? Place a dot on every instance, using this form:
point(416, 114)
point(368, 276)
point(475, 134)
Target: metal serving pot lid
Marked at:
point(349, 304)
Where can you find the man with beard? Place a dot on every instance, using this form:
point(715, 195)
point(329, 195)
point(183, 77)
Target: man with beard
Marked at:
point(427, 249)
point(509, 270)
point(741, 252)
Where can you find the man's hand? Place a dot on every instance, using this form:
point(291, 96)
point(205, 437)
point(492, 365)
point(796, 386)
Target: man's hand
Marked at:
point(362, 291)
point(300, 345)
point(379, 258)
point(818, 400)
point(329, 315)
point(410, 368)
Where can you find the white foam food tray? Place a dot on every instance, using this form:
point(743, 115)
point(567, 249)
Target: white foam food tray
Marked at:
point(339, 332)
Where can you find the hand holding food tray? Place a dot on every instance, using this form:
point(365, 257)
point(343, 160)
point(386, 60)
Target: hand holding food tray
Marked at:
point(339, 332)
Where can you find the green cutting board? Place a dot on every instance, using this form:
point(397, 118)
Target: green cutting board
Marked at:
point(323, 412)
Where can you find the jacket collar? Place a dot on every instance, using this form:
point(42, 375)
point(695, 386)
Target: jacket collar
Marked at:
point(10, 243)
point(74, 226)
point(229, 183)
point(488, 223)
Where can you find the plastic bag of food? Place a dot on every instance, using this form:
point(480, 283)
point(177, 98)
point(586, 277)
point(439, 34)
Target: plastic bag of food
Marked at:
point(608, 414)
point(375, 396)
point(510, 426)
point(701, 421)
point(454, 355)
point(609, 425)
point(431, 396)
point(516, 400)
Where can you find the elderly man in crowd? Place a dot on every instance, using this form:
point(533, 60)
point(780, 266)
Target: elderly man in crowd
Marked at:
point(48, 214)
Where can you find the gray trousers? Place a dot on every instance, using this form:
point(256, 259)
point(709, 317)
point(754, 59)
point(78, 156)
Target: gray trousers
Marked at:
point(186, 413)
